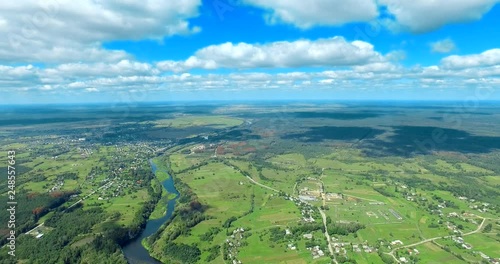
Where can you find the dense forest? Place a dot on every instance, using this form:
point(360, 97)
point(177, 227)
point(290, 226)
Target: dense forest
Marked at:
point(67, 228)
point(35, 205)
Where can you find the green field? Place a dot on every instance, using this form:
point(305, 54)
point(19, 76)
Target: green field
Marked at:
point(380, 205)
point(263, 186)
point(194, 121)
point(432, 254)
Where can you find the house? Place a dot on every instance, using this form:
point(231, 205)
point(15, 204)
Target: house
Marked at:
point(466, 246)
point(307, 198)
point(308, 236)
point(356, 248)
point(453, 214)
point(198, 149)
point(397, 242)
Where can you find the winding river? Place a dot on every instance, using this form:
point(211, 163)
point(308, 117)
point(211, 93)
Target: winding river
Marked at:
point(134, 251)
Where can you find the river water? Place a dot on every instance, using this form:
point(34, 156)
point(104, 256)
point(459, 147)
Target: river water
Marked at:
point(134, 251)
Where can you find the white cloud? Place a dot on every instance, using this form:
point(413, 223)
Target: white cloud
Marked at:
point(329, 52)
point(443, 46)
point(305, 14)
point(121, 68)
point(376, 67)
point(20, 76)
point(427, 15)
point(372, 71)
point(415, 16)
point(68, 31)
point(487, 58)
point(92, 90)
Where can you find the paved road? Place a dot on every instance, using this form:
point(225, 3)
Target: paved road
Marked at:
point(330, 248)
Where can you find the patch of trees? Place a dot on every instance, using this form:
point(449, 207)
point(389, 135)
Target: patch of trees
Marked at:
point(276, 234)
point(487, 161)
point(252, 206)
point(214, 252)
point(186, 194)
point(225, 251)
point(307, 228)
point(264, 178)
point(344, 229)
point(192, 218)
point(194, 167)
point(68, 176)
point(210, 234)
point(182, 253)
point(433, 225)
point(416, 182)
point(344, 260)
point(475, 191)
point(488, 228)
point(384, 192)
point(229, 221)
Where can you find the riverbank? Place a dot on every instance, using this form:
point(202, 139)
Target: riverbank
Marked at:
point(135, 251)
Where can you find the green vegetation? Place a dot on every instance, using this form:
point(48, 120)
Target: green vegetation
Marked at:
point(255, 188)
point(67, 229)
point(192, 121)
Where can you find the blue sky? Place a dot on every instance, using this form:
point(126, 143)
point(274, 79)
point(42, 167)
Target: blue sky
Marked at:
point(152, 50)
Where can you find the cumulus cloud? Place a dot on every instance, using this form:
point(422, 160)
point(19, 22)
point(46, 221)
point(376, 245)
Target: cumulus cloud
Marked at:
point(329, 52)
point(376, 67)
point(349, 65)
point(443, 46)
point(427, 15)
point(121, 68)
point(455, 72)
point(415, 16)
point(305, 14)
point(487, 58)
point(69, 31)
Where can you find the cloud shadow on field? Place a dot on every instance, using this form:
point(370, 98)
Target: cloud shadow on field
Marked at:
point(410, 140)
point(358, 115)
point(335, 115)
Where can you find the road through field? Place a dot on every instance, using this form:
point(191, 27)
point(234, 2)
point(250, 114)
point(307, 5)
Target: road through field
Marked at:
point(323, 215)
point(330, 248)
point(433, 239)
